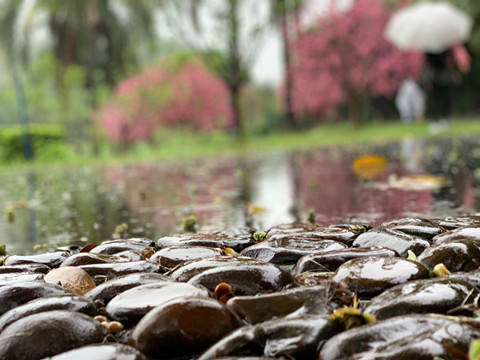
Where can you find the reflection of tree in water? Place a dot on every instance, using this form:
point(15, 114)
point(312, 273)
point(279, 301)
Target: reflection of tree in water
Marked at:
point(162, 194)
point(326, 185)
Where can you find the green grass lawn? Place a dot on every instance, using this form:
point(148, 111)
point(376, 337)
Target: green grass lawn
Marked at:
point(185, 145)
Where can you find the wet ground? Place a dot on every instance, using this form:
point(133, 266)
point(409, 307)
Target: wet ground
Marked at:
point(79, 205)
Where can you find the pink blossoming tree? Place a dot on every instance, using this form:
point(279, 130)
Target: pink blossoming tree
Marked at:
point(345, 56)
point(191, 97)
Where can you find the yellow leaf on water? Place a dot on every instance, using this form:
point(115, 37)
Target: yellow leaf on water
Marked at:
point(257, 209)
point(369, 167)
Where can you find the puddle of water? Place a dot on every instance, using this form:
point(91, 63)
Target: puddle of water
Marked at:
point(84, 205)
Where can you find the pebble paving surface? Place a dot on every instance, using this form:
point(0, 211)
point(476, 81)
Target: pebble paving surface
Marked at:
point(407, 288)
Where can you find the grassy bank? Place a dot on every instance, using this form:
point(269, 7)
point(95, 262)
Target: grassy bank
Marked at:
point(187, 145)
point(184, 145)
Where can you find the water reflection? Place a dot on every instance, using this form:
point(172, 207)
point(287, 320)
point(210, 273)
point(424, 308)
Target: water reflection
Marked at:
point(86, 204)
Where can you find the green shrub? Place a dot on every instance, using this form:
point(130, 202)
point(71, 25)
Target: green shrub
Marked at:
point(44, 138)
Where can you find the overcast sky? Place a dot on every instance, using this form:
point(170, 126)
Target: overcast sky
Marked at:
point(268, 69)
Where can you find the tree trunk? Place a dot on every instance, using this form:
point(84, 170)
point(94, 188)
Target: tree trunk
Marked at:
point(289, 116)
point(354, 106)
point(237, 111)
point(234, 77)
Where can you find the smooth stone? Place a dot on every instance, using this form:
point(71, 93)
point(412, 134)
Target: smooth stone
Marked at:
point(52, 260)
point(58, 302)
point(87, 258)
point(183, 327)
point(368, 277)
point(292, 303)
point(400, 235)
point(422, 228)
point(313, 278)
point(464, 233)
point(416, 337)
point(131, 255)
point(71, 278)
point(422, 296)
point(20, 293)
point(287, 249)
point(392, 239)
point(49, 333)
point(458, 255)
point(344, 233)
point(193, 268)
point(472, 277)
point(171, 257)
point(103, 272)
point(331, 260)
point(246, 276)
point(10, 278)
point(297, 337)
point(142, 246)
point(451, 223)
point(131, 305)
point(101, 352)
point(111, 288)
point(31, 268)
point(236, 241)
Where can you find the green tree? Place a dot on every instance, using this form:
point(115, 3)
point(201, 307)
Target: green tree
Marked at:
point(282, 13)
point(220, 27)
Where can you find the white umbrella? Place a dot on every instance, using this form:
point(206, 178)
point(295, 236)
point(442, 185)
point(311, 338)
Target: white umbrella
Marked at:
point(431, 26)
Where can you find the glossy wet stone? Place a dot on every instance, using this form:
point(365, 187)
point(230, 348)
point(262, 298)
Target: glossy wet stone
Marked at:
point(131, 305)
point(109, 289)
point(183, 327)
point(313, 278)
point(71, 278)
point(171, 257)
point(331, 260)
point(400, 235)
point(52, 260)
point(30, 268)
point(9, 278)
point(297, 337)
point(422, 296)
point(246, 280)
point(416, 337)
point(236, 240)
point(370, 276)
point(19, 293)
point(246, 276)
point(295, 302)
point(472, 277)
point(101, 352)
point(48, 333)
point(140, 245)
point(59, 302)
point(103, 272)
point(287, 249)
point(463, 233)
point(344, 233)
point(131, 255)
point(458, 255)
point(87, 258)
point(451, 223)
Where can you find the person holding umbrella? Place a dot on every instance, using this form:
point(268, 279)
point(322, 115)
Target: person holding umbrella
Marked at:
point(438, 29)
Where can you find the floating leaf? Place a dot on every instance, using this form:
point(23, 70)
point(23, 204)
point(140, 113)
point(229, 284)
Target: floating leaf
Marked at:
point(369, 167)
point(257, 209)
